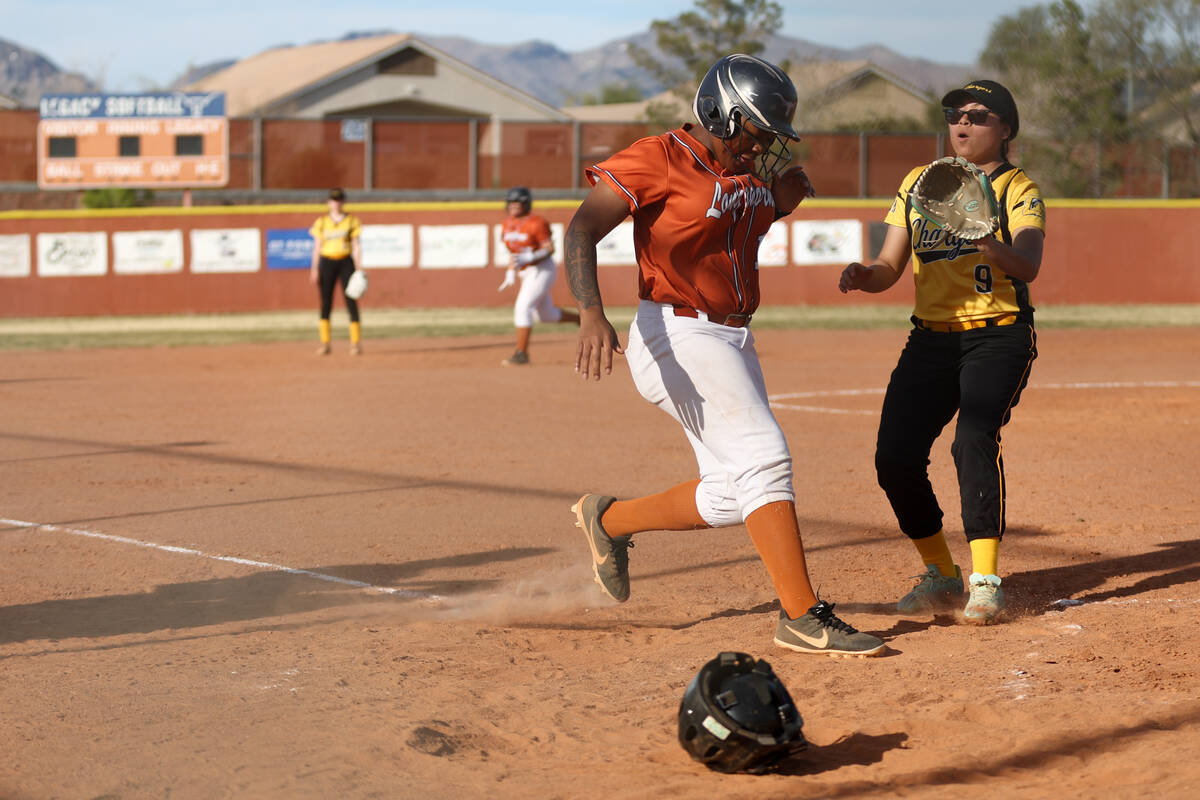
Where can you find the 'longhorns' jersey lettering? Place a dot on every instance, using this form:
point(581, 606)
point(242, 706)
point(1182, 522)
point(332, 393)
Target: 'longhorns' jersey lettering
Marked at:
point(737, 201)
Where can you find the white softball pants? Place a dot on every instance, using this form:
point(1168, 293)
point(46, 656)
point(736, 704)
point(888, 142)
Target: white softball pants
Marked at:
point(534, 303)
point(707, 376)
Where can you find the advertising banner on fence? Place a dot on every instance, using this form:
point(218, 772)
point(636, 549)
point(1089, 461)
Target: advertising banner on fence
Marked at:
point(289, 248)
point(62, 255)
point(147, 252)
point(224, 250)
point(827, 241)
point(453, 246)
point(387, 246)
point(773, 249)
point(617, 247)
point(15, 256)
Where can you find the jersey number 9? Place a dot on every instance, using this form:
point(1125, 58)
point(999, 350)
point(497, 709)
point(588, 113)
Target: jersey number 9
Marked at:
point(983, 279)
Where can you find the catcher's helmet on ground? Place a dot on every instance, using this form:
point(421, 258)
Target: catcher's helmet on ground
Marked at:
point(737, 716)
point(519, 194)
point(739, 88)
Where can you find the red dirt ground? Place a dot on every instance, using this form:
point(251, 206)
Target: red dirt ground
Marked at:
point(496, 669)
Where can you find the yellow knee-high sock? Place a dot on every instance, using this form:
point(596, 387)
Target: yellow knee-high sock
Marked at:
point(355, 332)
point(324, 329)
point(935, 551)
point(985, 555)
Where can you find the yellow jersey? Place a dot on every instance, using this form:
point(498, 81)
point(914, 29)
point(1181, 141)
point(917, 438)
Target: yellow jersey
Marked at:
point(335, 238)
point(954, 282)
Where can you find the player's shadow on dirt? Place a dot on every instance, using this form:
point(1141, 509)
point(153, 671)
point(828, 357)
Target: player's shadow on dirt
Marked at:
point(263, 594)
point(1161, 567)
point(857, 749)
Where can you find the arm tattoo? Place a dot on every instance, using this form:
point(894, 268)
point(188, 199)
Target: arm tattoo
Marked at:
point(580, 265)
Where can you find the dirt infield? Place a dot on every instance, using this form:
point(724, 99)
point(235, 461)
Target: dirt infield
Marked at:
point(248, 572)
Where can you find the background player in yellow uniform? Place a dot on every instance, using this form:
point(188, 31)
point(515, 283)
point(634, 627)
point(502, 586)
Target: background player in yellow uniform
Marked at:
point(970, 350)
point(336, 255)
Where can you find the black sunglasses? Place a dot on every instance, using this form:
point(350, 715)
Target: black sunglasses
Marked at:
point(976, 116)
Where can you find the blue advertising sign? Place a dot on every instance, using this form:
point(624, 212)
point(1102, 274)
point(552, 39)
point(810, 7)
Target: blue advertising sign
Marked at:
point(289, 248)
point(124, 106)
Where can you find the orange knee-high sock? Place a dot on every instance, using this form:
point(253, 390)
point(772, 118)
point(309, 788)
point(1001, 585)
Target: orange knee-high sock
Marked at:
point(672, 510)
point(523, 338)
point(776, 535)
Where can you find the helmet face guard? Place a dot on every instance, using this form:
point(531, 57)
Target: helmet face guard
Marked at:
point(737, 716)
point(739, 89)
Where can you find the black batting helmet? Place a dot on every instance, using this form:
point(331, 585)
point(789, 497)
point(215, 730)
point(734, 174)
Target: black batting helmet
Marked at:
point(737, 716)
point(519, 194)
point(740, 88)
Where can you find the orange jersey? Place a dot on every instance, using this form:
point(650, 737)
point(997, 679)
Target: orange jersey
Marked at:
point(525, 234)
point(696, 227)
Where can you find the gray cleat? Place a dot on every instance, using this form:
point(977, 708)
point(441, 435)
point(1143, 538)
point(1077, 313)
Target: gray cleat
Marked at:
point(820, 632)
point(610, 557)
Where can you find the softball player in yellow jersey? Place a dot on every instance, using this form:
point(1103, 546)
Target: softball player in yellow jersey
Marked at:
point(970, 351)
point(336, 256)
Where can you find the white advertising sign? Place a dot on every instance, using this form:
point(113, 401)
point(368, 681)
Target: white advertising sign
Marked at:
point(557, 229)
point(147, 252)
point(453, 246)
point(773, 249)
point(222, 250)
point(61, 255)
point(617, 246)
point(15, 256)
point(827, 241)
point(387, 246)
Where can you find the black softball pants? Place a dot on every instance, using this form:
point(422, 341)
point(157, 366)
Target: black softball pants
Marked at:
point(979, 374)
point(330, 272)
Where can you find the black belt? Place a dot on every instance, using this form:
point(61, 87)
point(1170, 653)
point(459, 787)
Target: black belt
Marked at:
point(964, 325)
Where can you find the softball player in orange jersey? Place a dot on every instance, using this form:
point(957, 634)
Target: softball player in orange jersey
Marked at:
point(701, 199)
point(970, 351)
point(531, 248)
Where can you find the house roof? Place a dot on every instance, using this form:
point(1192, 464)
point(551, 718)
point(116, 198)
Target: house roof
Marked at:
point(823, 78)
point(253, 85)
point(813, 80)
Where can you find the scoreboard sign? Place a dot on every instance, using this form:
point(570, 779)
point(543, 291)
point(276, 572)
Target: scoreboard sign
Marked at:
point(163, 140)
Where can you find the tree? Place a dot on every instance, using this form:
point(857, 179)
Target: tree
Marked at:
point(117, 197)
point(1067, 93)
point(609, 93)
point(691, 42)
point(1155, 43)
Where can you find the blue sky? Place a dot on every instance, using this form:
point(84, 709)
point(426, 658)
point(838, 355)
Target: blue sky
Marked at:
point(130, 45)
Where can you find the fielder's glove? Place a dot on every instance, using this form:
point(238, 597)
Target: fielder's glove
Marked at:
point(956, 195)
point(510, 277)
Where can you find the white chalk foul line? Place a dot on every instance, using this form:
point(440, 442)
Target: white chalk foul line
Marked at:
point(246, 562)
point(776, 399)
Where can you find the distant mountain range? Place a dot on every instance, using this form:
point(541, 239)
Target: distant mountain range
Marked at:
point(25, 76)
point(537, 67)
